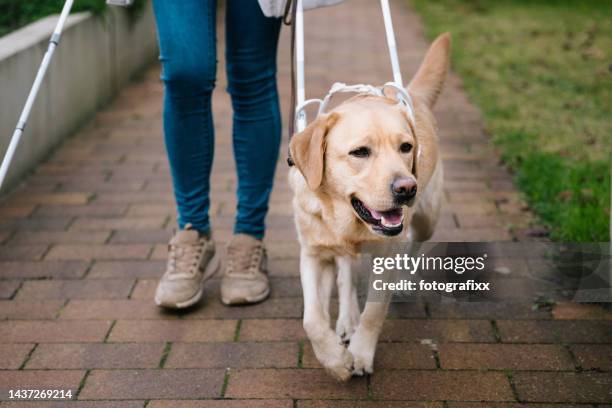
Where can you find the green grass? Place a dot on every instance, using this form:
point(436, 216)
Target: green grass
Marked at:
point(17, 13)
point(541, 72)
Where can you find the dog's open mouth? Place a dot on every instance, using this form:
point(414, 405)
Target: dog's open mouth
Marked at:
point(388, 222)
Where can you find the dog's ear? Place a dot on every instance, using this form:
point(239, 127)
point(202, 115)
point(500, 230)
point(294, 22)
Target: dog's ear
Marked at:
point(429, 79)
point(308, 149)
point(425, 150)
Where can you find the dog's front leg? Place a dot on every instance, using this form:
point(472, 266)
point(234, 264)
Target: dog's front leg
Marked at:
point(348, 310)
point(327, 346)
point(363, 343)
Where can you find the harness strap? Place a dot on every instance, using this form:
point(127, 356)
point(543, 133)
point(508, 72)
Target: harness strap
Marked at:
point(297, 113)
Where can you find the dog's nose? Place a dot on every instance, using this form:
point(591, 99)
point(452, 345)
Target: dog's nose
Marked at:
point(404, 189)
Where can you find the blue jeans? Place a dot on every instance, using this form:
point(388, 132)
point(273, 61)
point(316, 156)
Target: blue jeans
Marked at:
point(187, 40)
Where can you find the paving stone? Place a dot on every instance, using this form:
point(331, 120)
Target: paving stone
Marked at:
point(273, 308)
point(407, 310)
point(52, 198)
point(145, 384)
point(284, 268)
point(571, 331)
point(40, 379)
point(271, 330)
point(504, 357)
point(8, 288)
point(294, 383)
point(153, 331)
point(114, 186)
point(441, 385)
point(99, 252)
point(22, 211)
point(388, 355)
point(487, 310)
point(126, 269)
point(406, 330)
point(5, 235)
point(145, 210)
point(35, 224)
point(145, 288)
point(141, 236)
point(93, 210)
point(511, 405)
point(92, 355)
point(594, 356)
point(480, 221)
point(366, 404)
point(265, 403)
point(44, 331)
point(115, 309)
point(75, 404)
point(118, 223)
point(491, 234)
point(574, 311)
point(29, 309)
point(234, 355)
point(22, 252)
point(76, 289)
point(13, 355)
point(45, 269)
point(60, 237)
point(133, 198)
point(564, 387)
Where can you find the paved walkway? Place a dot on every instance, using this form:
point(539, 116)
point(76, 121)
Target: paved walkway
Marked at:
point(84, 239)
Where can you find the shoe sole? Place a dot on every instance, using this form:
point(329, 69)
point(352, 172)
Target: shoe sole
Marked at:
point(246, 300)
point(209, 272)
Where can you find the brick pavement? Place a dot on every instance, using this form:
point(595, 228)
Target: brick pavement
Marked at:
point(84, 239)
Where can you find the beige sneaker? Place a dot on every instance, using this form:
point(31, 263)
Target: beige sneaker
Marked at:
point(191, 261)
point(245, 279)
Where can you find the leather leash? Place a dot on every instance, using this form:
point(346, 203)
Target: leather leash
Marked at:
point(291, 10)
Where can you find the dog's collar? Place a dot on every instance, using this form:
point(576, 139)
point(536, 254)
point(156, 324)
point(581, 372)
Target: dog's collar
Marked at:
point(401, 95)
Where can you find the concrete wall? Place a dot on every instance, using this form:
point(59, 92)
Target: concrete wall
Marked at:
point(95, 58)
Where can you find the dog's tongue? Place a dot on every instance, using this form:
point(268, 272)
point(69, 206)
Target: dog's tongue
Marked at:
point(392, 218)
point(375, 214)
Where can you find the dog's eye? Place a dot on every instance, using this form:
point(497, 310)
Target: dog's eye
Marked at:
point(405, 147)
point(362, 151)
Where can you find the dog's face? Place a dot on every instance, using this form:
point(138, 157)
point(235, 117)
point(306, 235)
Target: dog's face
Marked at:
point(370, 162)
point(368, 157)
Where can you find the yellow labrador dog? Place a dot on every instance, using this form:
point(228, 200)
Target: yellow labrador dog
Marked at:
point(363, 173)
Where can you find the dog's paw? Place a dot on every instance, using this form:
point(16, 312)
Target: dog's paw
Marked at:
point(362, 349)
point(335, 358)
point(346, 326)
point(340, 367)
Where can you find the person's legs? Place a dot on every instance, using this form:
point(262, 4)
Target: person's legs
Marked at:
point(186, 30)
point(252, 42)
point(251, 70)
point(187, 41)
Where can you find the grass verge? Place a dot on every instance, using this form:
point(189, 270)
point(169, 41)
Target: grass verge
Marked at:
point(541, 72)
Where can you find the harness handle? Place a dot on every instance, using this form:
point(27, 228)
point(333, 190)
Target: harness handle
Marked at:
point(390, 33)
point(297, 119)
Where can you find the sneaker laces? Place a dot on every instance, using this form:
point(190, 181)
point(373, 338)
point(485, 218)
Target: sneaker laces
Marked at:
point(244, 261)
point(184, 258)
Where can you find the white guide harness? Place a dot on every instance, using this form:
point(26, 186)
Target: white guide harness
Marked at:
point(402, 96)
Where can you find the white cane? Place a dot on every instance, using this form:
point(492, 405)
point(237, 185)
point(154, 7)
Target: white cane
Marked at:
point(25, 113)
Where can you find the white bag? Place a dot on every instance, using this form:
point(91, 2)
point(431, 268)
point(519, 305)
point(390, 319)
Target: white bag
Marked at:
point(276, 8)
